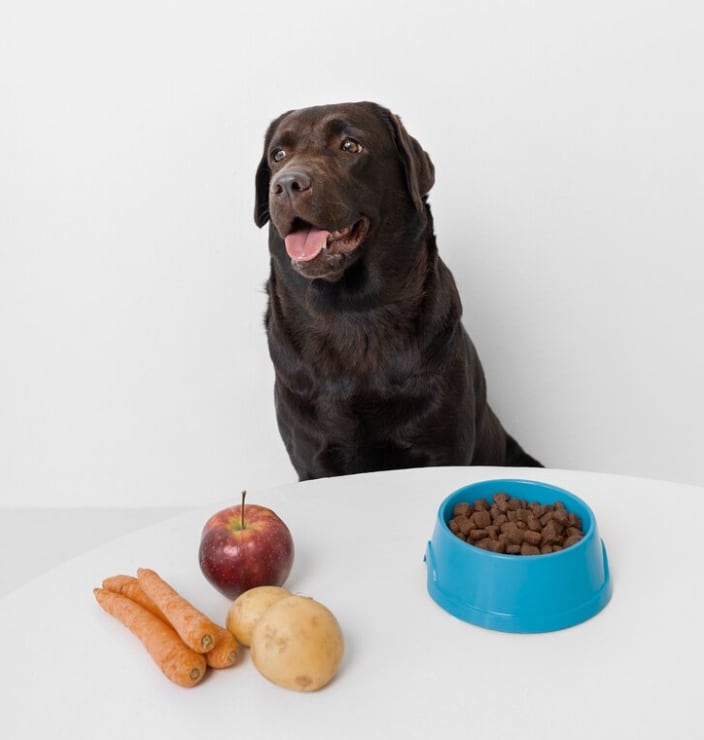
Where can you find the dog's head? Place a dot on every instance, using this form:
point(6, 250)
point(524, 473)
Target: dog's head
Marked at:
point(334, 178)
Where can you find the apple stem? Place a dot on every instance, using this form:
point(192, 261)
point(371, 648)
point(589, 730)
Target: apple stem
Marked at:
point(244, 493)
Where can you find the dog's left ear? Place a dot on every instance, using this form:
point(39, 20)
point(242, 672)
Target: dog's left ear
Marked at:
point(420, 172)
point(263, 176)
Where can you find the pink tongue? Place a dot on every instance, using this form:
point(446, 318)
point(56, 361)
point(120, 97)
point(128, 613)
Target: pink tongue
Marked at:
point(306, 244)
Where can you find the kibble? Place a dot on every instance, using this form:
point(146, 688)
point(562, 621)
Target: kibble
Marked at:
point(515, 527)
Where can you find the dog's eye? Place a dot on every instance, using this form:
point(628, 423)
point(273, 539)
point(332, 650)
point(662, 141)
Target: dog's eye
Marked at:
point(351, 146)
point(278, 154)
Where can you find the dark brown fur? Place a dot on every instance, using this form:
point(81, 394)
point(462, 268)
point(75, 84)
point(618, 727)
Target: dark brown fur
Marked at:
point(373, 368)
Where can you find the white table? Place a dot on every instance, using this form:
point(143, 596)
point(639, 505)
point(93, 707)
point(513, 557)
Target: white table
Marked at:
point(35, 540)
point(410, 669)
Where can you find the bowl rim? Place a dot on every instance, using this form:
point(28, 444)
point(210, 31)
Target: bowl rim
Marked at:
point(587, 533)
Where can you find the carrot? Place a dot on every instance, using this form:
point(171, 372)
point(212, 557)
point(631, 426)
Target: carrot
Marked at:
point(222, 655)
point(129, 586)
point(226, 650)
point(195, 629)
point(177, 662)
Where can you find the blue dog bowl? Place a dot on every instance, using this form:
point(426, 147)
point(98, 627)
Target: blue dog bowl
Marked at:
point(518, 593)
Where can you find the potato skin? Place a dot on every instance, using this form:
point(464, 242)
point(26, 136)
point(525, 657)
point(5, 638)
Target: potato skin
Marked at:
point(246, 610)
point(297, 644)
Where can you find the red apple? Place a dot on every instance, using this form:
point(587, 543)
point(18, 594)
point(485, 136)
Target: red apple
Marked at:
point(245, 546)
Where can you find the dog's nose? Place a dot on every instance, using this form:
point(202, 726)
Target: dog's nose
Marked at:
point(291, 182)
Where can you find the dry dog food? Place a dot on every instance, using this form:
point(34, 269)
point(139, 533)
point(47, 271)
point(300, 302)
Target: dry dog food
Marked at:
point(516, 527)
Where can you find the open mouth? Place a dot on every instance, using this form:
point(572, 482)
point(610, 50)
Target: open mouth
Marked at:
point(305, 242)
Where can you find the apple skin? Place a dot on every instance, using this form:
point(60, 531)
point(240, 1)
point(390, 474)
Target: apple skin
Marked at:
point(234, 559)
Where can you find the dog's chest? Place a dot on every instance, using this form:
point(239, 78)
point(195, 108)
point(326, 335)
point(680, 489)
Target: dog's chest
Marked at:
point(362, 358)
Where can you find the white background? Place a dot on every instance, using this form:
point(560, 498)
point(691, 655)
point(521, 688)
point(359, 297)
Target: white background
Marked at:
point(569, 154)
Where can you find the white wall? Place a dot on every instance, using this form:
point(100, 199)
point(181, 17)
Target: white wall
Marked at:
point(567, 139)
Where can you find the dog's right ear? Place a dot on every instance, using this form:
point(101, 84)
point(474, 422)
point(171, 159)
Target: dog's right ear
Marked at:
point(263, 176)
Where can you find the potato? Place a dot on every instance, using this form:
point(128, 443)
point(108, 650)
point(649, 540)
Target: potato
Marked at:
point(246, 610)
point(297, 644)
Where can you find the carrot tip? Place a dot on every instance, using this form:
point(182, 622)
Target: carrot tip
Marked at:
point(195, 674)
point(207, 642)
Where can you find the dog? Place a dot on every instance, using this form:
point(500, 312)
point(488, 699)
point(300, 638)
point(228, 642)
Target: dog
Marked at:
point(373, 368)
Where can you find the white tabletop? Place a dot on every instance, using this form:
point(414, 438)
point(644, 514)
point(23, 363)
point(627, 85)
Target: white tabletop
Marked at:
point(410, 669)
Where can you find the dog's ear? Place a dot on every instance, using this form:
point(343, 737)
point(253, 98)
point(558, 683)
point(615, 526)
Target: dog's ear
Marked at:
point(420, 172)
point(261, 200)
point(263, 176)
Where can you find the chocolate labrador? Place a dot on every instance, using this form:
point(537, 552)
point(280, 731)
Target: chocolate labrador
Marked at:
point(373, 368)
